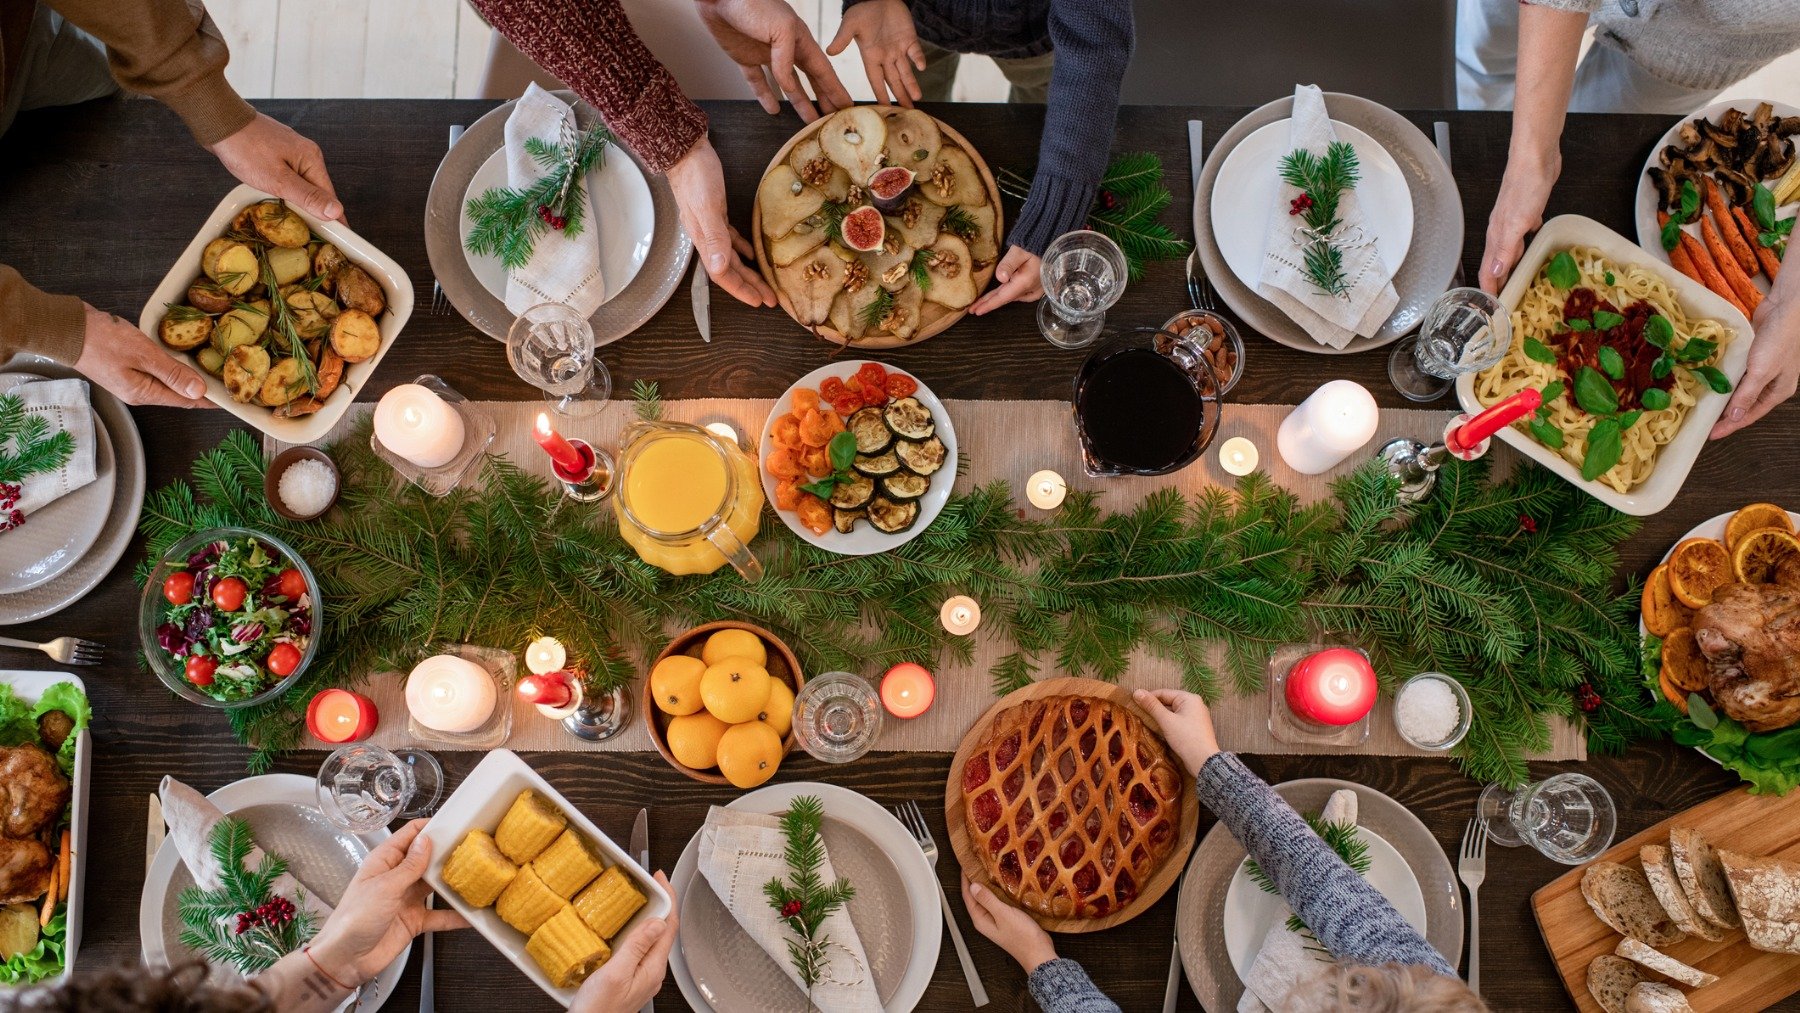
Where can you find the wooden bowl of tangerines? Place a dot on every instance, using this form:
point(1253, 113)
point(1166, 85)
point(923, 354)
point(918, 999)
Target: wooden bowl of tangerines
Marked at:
point(720, 700)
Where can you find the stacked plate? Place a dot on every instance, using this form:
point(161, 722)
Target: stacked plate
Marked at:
point(1408, 196)
point(643, 250)
point(67, 547)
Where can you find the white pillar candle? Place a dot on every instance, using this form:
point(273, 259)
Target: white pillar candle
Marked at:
point(450, 694)
point(545, 655)
point(1046, 490)
point(416, 424)
point(1330, 425)
point(1238, 456)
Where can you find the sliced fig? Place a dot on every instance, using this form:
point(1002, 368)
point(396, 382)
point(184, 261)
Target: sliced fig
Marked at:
point(917, 221)
point(811, 283)
point(864, 230)
point(854, 138)
point(890, 187)
point(913, 140)
point(952, 278)
point(796, 244)
point(817, 170)
point(954, 180)
point(785, 201)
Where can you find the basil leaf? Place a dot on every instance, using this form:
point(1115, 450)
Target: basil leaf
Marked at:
point(1609, 278)
point(823, 488)
point(1546, 433)
point(1697, 350)
point(1671, 234)
point(1701, 713)
point(1562, 271)
point(1603, 449)
point(1612, 362)
point(1658, 331)
point(1655, 399)
point(1762, 201)
point(1606, 321)
point(1581, 325)
point(1537, 351)
point(1594, 394)
point(1686, 734)
point(1629, 419)
point(1690, 200)
point(1662, 367)
point(1718, 381)
point(1552, 392)
point(1769, 239)
point(842, 450)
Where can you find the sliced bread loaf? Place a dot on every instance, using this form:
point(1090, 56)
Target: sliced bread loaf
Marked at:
point(1651, 997)
point(1622, 898)
point(1767, 892)
point(1702, 877)
point(1663, 964)
point(1659, 869)
point(1610, 981)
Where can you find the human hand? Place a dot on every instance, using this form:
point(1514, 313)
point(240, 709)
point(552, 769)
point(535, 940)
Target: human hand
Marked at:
point(1008, 927)
point(889, 46)
point(382, 910)
point(699, 184)
point(1185, 722)
point(634, 974)
point(765, 38)
point(1519, 210)
point(269, 155)
point(1774, 367)
point(133, 365)
point(1020, 280)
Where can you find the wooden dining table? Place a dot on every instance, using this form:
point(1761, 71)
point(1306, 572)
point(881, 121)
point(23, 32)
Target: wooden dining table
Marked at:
point(99, 200)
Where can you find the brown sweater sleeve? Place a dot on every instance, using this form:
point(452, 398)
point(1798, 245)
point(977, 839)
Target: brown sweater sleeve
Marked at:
point(32, 320)
point(169, 50)
point(591, 45)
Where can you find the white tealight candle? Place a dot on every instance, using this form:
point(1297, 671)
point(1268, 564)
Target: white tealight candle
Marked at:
point(545, 655)
point(416, 424)
point(725, 431)
point(450, 694)
point(960, 615)
point(1046, 490)
point(1329, 426)
point(1238, 456)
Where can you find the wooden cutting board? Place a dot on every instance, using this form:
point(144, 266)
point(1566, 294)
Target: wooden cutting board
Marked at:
point(1748, 979)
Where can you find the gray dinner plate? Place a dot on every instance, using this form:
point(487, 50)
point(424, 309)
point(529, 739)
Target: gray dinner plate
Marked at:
point(58, 534)
point(656, 280)
point(1437, 224)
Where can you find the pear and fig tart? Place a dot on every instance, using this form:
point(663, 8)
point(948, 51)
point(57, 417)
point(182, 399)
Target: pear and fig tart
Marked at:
point(528, 827)
point(477, 871)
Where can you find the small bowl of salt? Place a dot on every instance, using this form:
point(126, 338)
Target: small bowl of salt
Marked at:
point(302, 483)
point(1432, 711)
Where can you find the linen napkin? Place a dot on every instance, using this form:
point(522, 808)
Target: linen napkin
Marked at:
point(65, 404)
point(191, 817)
point(1330, 319)
point(562, 269)
point(1287, 956)
point(739, 852)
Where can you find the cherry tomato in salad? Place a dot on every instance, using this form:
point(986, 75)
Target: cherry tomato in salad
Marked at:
point(283, 659)
point(291, 584)
point(228, 594)
point(179, 587)
point(200, 669)
point(900, 385)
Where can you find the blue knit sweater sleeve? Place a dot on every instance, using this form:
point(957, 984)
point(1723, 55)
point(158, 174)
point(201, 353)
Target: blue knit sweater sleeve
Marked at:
point(1061, 986)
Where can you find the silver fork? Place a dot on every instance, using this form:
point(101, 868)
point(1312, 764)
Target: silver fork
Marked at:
point(440, 303)
point(1200, 291)
point(914, 819)
point(63, 650)
point(1471, 868)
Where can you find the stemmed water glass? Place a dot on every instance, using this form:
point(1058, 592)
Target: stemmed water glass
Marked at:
point(1083, 273)
point(1568, 818)
point(1465, 331)
point(837, 717)
point(363, 787)
point(551, 347)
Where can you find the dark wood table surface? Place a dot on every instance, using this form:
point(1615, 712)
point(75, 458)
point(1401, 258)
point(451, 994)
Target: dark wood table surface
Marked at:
point(99, 201)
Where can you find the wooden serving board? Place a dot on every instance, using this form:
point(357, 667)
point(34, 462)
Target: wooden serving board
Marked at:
point(1749, 979)
point(1159, 884)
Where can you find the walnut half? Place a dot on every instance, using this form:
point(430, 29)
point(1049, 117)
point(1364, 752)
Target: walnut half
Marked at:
point(815, 272)
point(894, 273)
point(910, 214)
point(893, 320)
point(817, 171)
point(856, 275)
point(946, 263)
point(944, 178)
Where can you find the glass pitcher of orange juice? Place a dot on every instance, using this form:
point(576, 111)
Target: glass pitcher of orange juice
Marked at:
point(687, 500)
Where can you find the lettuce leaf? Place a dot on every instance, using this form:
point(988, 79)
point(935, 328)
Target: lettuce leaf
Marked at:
point(43, 961)
point(17, 726)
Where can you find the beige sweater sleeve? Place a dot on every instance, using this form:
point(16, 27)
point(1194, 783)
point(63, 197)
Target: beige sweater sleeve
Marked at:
point(32, 320)
point(171, 51)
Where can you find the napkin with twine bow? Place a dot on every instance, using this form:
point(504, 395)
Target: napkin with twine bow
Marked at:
point(64, 405)
point(1370, 298)
point(739, 852)
point(563, 269)
point(1288, 956)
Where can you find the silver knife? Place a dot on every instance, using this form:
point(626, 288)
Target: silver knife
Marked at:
point(153, 837)
point(702, 294)
point(428, 968)
point(1440, 132)
point(1196, 134)
point(640, 830)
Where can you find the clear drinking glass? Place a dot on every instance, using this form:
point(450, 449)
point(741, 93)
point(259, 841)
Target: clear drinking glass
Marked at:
point(1465, 331)
point(551, 347)
point(363, 787)
point(1569, 818)
point(837, 717)
point(1084, 275)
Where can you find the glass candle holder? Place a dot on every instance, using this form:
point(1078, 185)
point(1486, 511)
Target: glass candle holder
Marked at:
point(499, 666)
point(1295, 714)
point(478, 434)
point(837, 717)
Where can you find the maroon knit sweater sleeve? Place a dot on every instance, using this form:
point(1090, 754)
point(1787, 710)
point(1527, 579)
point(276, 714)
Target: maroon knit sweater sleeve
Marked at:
point(591, 45)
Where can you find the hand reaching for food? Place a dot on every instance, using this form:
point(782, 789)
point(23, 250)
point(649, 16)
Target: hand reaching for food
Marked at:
point(131, 365)
point(699, 184)
point(765, 38)
point(1018, 278)
point(382, 910)
point(1518, 211)
point(271, 156)
point(1008, 927)
point(634, 974)
point(889, 45)
point(1774, 369)
point(1186, 724)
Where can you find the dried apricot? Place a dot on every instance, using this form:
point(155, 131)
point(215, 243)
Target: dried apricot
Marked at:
point(782, 463)
point(816, 461)
point(787, 495)
point(814, 513)
point(805, 399)
point(814, 430)
point(786, 432)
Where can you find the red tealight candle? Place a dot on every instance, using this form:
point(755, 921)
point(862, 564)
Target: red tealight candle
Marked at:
point(907, 690)
point(566, 457)
point(1336, 686)
point(338, 715)
point(550, 690)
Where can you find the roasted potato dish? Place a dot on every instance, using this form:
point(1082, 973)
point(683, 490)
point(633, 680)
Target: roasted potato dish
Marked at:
point(276, 312)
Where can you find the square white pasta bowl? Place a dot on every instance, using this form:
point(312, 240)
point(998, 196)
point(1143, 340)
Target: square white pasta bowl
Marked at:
point(1677, 457)
point(478, 804)
point(359, 251)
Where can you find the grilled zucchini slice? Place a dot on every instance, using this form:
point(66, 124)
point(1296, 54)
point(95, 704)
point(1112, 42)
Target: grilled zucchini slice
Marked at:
point(852, 491)
point(905, 485)
point(891, 517)
point(923, 456)
point(877, 465)
point(872, 433)
point(909, 419)
point(845, 520)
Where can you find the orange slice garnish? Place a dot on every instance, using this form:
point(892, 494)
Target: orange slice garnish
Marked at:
point(1682, 662)
point(1756, 517)
point(1697, 568)
point(1760, 553)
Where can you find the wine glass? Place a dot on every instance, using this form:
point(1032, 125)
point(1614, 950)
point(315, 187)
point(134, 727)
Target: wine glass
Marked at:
point(837, 717)
point(363, 787)
point(551, 347)
point(1568, 818)
point(1084, 275)
point(1465, 331)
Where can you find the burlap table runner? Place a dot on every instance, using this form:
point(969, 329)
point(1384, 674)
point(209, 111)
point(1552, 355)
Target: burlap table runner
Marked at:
point(1000, 440)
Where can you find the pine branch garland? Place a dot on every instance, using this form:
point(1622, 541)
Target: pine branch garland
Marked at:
point(267, 927)
point(1131, 199)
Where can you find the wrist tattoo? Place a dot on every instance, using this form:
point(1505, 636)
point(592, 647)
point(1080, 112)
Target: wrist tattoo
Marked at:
point(317, 986)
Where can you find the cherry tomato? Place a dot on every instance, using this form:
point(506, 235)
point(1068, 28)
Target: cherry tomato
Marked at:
point(874, 395)
point(873, 374)
point(292, 584)
point(179, 587)
point(846, 405)
point(832, 389)
point(900, 385)
point(228, 594)
point(283, 659)
point(200, 669)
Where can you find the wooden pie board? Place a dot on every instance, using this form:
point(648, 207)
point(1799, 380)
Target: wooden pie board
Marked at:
point(1748, 979)
point(946, 317)
point(1166, 875)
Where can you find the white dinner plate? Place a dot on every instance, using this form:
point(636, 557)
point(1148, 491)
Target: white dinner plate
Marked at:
point(879, 826)
point(1245, 192)
point(56, 536)
point(621, 201)
point(318, 854)
point(30, 686)
point(1251, 911)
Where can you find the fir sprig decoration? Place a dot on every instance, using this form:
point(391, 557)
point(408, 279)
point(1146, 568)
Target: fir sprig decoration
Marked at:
point(241, 922)
point(1131, 198)
point(27, 446)
point(1322, 180)
point(804, 900)
point(1340, 837)
point(509, 220)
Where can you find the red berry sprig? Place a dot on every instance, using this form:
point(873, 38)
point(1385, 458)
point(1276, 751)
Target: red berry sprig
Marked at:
point(1300, 204)
point(550, 218)
point(1585, 698)
point(275, 913)
point(1527, 525)
point(791, 909)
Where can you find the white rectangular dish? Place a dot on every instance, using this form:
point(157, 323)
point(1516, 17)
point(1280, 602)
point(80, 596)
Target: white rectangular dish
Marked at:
point(393, 279)
point(478, 804)
point(1677, 457)
point(30, 685)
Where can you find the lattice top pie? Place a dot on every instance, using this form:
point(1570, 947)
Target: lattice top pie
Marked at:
point(1072, 803)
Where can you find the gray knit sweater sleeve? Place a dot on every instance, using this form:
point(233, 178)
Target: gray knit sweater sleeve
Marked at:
point(1061, 986)
point(1354, 921)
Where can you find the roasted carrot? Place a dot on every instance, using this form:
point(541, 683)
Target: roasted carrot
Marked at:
point(1679, 255)
point(1709, 272)
point(1771, 264)
point(1728, 266)
point(63, 861)
point(1728, 229)
point(50, 896)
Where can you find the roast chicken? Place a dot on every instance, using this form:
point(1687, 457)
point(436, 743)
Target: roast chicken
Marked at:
point(1750, 635)
point(33, 793)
